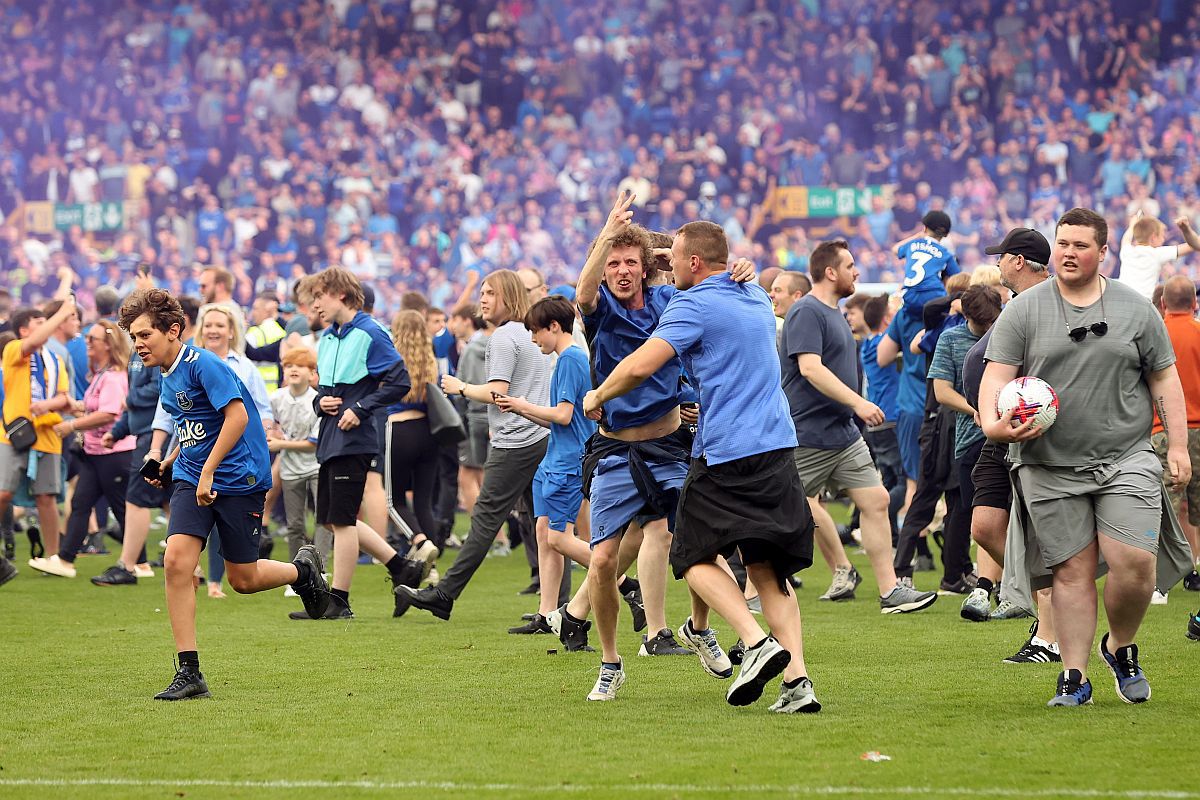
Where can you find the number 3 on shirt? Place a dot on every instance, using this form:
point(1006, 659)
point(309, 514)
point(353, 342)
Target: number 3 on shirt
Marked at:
point(918, 261)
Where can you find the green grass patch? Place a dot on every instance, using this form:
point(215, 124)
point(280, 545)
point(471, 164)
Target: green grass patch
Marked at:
point(416, 707)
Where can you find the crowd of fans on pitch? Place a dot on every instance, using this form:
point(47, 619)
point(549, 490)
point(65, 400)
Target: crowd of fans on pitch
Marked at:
point(416, 140)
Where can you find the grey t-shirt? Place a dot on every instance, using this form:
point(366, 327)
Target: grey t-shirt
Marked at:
point(813, 327)
point(512, 356)
point(471, 370)
point(1104, 407)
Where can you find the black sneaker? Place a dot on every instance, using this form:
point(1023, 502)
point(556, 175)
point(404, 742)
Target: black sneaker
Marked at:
point(532, 588)
point(10, 545)
point(410, 575)
point(572, 633)
point(36, 548)
point(429, 599)
point(662, 643)
point(8, 571)
point(265, 545)
point(964, 585)
point(116, 575)
point(314, 592)
point(737, 652)
point(1191, 581)
point(1193, 628)
point(337, 608)
point(187, 685)
point(1035, 652)
point(633, 598)
point(536, 625)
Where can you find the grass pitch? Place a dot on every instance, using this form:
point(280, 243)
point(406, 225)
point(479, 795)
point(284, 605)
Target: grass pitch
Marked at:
point(416, 707)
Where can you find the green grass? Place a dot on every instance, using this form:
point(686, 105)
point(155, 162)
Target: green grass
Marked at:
point(420, 708)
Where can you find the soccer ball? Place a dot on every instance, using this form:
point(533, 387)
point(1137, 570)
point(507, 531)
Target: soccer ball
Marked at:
point(1029, 398)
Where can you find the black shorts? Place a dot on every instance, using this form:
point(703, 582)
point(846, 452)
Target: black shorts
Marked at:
point(140, 493)
point(340, 485)
point(237, 518)
point(993, 485)
point(754, 504)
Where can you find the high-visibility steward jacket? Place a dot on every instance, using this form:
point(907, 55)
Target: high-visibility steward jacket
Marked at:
point(262, 335)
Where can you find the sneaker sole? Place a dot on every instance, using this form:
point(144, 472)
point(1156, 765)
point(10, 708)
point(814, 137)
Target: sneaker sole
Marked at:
point(1053, 704)
point(642, 651)
point(200, 696)
point(1116, 679)
point(811, 707)
point(971, 615)
point(751, 690)
point(908, 608)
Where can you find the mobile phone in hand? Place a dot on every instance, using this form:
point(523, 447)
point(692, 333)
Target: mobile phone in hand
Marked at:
point(152, 470)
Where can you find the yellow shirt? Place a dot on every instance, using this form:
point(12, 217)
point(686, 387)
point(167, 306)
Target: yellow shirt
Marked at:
point(17, 396)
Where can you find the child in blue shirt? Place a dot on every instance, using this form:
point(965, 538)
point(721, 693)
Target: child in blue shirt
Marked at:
point(221, 471)
point(927, 263)
point(558, 483)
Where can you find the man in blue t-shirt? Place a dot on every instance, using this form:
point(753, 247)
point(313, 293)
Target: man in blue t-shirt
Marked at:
point(742, 491)
point(819, 364)
point(221, 471)
point(558, 482)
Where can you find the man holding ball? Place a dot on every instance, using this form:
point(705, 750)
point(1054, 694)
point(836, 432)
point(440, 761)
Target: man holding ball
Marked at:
point(1091, 484)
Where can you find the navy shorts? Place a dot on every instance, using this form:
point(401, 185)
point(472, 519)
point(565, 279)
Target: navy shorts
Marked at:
point(140, 493)
point(908, 436)
point(340, 485)
point(557, 496)
point(238, 519)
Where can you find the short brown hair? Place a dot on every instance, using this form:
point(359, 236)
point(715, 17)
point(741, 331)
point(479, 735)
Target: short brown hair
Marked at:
point(826, 255)
point(163, 310)
point(300, 357)
point(512, 292)
point(414, 301)
point(874, 311)
point(797, 281)
point(554, 308)
point(1146, 228)
point(707, 241)
point(221, 277)
point(1085, 217)
point(338, 281)
point(856, 300)
point(958, 282)
point(1179, 293)
point(981, 304)
point(469, 311)
point(632, 236)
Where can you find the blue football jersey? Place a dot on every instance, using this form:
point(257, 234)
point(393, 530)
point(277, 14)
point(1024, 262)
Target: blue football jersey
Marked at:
point(927, 262)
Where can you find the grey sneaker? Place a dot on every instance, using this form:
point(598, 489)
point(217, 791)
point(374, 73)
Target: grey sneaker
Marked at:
point(798, 699)
point(761, 664)
point(905, 599)
point(845, 581)
point(704, 644)
point(607, 684)
point(924, 564)
point(977, 607)
point(1007, 610)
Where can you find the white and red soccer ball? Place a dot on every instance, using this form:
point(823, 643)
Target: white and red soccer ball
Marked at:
point(1029, 398)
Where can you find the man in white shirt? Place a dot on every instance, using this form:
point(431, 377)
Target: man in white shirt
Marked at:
point(1143, 254)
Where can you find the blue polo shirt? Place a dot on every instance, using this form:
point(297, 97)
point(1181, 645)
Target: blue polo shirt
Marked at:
point(617, 332)
point(883, 383)
point(195, 391)
point(912, 376)
point(570, 382)
point(725, 333)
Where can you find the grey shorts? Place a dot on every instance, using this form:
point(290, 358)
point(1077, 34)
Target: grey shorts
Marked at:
point(848, 468)
point(473, 450)
point(1068, 508)
point(14, 466)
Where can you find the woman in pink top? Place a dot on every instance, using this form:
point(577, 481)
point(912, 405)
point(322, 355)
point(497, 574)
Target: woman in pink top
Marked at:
point(101, 472)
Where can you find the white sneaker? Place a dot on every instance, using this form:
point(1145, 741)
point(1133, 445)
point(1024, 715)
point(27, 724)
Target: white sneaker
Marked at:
point(704, 644)
point(760, 665)
point(53, 566)
point(608, 682)
point(798, 699)
point(143, 571)
point(1156, 599)
point(433, 578)
point(290, 592)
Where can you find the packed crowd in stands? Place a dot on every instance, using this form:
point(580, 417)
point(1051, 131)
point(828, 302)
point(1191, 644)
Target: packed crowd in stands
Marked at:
point(416, 140)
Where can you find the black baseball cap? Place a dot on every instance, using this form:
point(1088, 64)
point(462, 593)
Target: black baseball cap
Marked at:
point(937, 221)
point(1023, 242)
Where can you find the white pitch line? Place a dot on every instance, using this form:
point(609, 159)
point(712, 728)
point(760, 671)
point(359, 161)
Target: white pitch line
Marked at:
point(461, 786)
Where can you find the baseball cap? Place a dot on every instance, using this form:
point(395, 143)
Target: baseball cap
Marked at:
point(565, 290)
point(1023, 242)
point(368, 298)
point(936, 220)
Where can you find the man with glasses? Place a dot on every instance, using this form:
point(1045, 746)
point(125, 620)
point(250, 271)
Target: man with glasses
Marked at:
point(1091, 484)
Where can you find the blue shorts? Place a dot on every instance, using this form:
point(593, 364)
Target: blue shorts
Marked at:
point(616, 500)
point(238, 519)
point(557, 496)
point(908, 437)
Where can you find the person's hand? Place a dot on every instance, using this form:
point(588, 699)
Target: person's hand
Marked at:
point(64, 429)
point(620, 217)
point(869, 413)
point(205, 496)
point(452, 385)
point(330, 404)
point(107, 441)
point(38, 408)
point(742, 271)
point(77, 408)
point(472, 278)
point(1179, 468)
point(592, 407)
point(143, 280)
point(65, 274)
point(515, 405)
point(274, 443)
point(689, 413)
point(349, 420)
point(660, 252)
point(1005, 431)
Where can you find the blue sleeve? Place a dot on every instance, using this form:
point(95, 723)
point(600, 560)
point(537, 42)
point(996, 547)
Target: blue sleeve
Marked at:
point(381, 355)
point(572, 381)
point(681, 323)
point(803, 332)
point(144, 392)
point(941, 366)
point(903, 250)
point(217, 381)
point(952, 267)
point(893, 330)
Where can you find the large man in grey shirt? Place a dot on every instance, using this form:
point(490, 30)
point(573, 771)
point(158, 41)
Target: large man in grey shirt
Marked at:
point(514, 366)
point(1091, 484)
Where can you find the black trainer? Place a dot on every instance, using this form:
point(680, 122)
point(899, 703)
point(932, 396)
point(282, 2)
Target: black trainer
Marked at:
point(532, 588)
point(1193, 628)
point(428, 599)
point(574, 634)
point(963, 585)
point(536, 625)
point(410, 575)
point(662, 643)
point(188, 684)
point(10, 545)
point(266, 543)
point(314, 592)
point(1191, 581)
point(116, 575)
point(636, 608)
point(36, 548)
point(337, 608)
point(7, 571)
point(737, 652)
